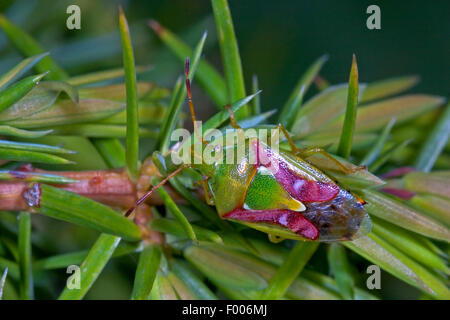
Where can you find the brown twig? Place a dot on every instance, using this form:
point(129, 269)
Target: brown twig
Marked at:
point(110, 187)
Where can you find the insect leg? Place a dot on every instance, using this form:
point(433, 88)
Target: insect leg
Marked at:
point(274, 238)
point(233, 121)
point(204, 184)
point(154, 188)
point(283, 129)
point(209, 199)
point(314, 150)
point(305, 153)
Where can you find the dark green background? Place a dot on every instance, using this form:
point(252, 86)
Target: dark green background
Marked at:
point(278, 39)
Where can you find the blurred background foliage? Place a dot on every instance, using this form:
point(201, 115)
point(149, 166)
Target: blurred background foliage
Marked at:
point(278, 40)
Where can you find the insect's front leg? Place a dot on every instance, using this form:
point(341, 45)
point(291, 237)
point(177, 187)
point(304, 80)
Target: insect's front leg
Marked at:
point(208, 197)
point(233, 120)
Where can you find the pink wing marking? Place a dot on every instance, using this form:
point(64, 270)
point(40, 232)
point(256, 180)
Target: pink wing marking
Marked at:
point(301, 188)
point(293, 220)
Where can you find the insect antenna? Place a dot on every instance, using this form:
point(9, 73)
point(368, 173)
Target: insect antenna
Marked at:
point(191, 105)
point(153, 189)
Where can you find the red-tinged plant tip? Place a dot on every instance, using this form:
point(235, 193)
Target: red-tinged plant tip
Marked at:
point(156, 26)
point(321, 83)
point(397, 172)
point(401, 193)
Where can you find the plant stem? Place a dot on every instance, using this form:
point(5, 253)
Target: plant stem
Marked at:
point(110, 187)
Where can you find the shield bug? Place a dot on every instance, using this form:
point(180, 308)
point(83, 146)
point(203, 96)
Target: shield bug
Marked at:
point(279, 192)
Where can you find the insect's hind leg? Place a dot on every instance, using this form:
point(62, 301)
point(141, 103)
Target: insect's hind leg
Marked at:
point(305, 153)
point(285, 132)
point(308, 152)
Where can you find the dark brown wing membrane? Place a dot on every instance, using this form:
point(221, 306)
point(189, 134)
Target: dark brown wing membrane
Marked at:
point(343, 218)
